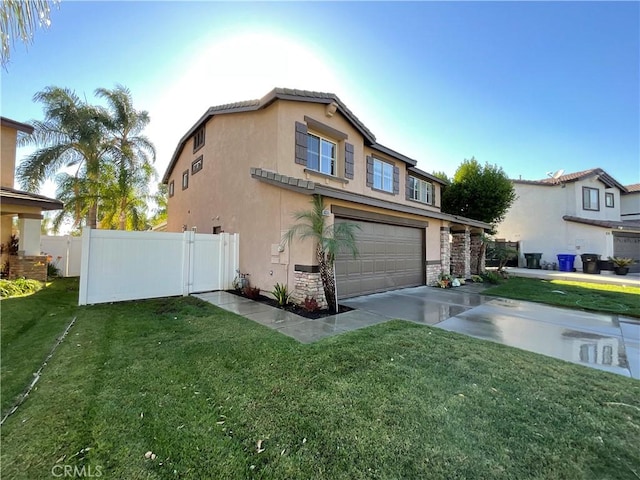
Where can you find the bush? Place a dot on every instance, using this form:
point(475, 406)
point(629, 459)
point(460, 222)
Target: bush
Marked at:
point(492, 277)
point(310, 304)
point(281, 294)
point(251, 292)
point(20, 286)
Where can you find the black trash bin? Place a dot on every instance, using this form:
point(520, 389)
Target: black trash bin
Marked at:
point(590, 263)
point(533, 260)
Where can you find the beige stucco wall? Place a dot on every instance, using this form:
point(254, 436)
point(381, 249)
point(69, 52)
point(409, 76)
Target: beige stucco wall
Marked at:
point(535, 220)
point(224, 194)
point(8, 140)
point(630, 206)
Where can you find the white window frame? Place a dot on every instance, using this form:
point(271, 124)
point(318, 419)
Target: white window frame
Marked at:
point(326, 165)
point(421, 190)
point(382, 175)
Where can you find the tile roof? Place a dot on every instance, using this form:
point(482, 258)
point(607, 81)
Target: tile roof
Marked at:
point(11, 196)
point(633, 188)
point(603, 176)
point(285, 94)
point(627, 225)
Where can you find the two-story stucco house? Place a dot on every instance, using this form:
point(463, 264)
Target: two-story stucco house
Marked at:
point(576, 213)
point(26, 206)
point(247, 167)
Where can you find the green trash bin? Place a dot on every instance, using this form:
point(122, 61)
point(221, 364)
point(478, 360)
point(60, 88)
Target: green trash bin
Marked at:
point(533, 260)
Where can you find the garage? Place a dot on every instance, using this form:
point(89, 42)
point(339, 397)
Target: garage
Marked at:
point(626, 244)
point(390, 256)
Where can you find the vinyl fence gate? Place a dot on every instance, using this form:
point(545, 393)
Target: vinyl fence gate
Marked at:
point(118, 265)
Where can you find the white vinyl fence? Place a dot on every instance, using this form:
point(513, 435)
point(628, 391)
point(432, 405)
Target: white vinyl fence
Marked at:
point(65, 251)
point(118, 265)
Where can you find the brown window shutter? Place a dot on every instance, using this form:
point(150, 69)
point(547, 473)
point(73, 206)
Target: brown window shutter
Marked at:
point(396, 180)
point(369, 171)
point(348, 160)
point(301, 144)
point(408, 189)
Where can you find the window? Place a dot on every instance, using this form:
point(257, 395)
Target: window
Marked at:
point(198, 139)
point(420, 190)
point(185, 179)
point(590, 198)
point(196, 165)
point(321, 154)
point(382, 175)
point(172, 188)
point(608, 200)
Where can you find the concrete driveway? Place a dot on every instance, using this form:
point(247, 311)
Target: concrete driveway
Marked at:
point(606, 342)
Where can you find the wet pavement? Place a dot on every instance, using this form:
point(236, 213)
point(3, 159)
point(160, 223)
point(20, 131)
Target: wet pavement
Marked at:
point(606, 342)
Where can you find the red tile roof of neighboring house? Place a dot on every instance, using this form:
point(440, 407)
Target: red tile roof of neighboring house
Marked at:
point(633, 188)
point(603, 176)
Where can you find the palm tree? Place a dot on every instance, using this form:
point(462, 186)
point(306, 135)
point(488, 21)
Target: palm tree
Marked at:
point(132, 154)
point(329, 239)
point(19, 20)
point(71, 135)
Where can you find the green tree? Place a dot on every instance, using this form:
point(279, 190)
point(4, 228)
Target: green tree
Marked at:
point(329, 241)
point(19, 20)
point(71, 135)
point(479, 192)
point(126, 187)
point(160, 199)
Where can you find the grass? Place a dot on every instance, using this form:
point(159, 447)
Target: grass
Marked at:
point(30, 326)
point(203, 389)
point(615, 299)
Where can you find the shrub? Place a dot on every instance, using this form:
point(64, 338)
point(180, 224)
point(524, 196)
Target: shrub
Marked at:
point(310, 304)
point(20, 286)
point(281, 294)
point(492, 277)
point(251, 292)
point(476, 279)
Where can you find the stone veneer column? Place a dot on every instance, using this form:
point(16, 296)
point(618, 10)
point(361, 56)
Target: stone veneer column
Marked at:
point(308, 284)
point(445, 250)
point(461, 254)
point(477, 267)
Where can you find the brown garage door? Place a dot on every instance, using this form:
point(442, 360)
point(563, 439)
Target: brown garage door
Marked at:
point(390, 257)
point(627, 245)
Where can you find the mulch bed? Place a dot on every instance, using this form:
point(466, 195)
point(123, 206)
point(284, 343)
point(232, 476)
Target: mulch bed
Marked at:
point(293, 308)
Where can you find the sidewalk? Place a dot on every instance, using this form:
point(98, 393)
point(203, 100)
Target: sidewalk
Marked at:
point(606, 277)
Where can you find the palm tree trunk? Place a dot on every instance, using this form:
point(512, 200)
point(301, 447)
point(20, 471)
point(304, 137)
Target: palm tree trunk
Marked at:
point(326, 275)
point(92, 217)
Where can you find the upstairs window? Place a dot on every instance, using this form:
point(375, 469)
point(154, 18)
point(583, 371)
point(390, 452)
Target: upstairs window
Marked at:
point(382, 175)
point(172, 188)
point(196, 165)
point(198, 139)
point(420, 191)
point(321, 154)
point(185, 179)
point(590, 198)
point(608, 200)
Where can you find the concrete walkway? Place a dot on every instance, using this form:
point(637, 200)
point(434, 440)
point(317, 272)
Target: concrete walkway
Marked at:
point(606, 342)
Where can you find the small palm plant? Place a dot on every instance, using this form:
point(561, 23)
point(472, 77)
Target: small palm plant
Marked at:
point(329, 239)
point(281, 294)
point(622, 261)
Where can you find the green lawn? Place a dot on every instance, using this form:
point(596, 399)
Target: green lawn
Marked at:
point(616, 299)
point(203, 388)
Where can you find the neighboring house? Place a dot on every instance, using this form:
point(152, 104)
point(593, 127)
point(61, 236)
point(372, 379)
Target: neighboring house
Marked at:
point(26, 206)
point(577, 213)
point(247, 167)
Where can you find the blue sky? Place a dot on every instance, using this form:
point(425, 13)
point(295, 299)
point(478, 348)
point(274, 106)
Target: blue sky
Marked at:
point(532, 87)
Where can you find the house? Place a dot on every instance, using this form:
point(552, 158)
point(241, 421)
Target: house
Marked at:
point(577, 213)
point(28, 207)
point(247, 167)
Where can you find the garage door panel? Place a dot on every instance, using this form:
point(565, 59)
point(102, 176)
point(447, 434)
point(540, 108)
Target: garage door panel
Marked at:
point(389, 257)
point(627, 245)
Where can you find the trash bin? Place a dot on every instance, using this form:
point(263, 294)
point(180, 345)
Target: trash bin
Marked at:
point(565, 262)
point(533, 260)
point(590, 263)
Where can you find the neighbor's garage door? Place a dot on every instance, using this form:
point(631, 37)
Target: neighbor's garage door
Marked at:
point(627, 245)
point(389, 257)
